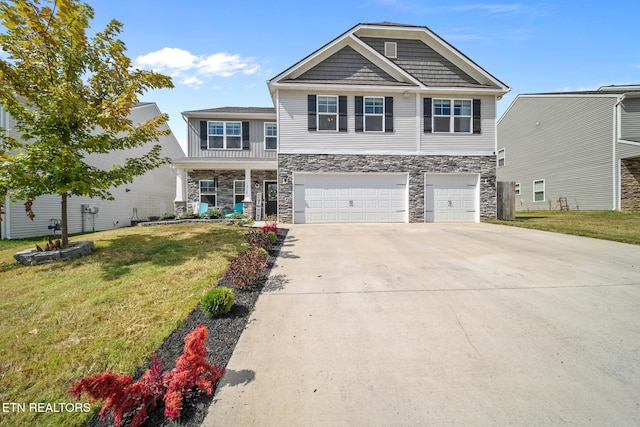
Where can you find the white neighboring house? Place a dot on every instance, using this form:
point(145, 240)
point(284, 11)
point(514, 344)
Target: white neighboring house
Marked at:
point(150, 194)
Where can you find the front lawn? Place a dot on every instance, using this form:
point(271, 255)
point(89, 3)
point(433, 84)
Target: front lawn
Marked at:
point(607, 225)
point(108, 311)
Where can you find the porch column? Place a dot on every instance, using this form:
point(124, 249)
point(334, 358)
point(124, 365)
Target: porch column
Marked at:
point(180, 203)
point(247, 204)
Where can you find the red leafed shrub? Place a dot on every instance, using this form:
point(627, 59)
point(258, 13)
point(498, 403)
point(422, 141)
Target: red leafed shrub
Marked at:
point(270, 227)
point(123, 397)
point(192, 371)
point(247, 267)
point(259, 239)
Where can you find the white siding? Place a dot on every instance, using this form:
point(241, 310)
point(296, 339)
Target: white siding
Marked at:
point(461, 144)
point(564, 140)
point(296, 138)
point(152, 194)
point(625, 150)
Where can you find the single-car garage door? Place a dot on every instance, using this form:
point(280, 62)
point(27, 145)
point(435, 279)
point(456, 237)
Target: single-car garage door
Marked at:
point(451, 198)
point(355, 197)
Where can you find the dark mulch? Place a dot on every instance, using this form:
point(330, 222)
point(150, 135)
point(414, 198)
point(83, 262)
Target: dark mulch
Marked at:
point(224, 333)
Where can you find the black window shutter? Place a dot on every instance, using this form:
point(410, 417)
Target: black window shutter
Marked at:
point(204, 135)
point(427, 115)
point(476, 116)
point(342, 113)
point(245, 136)
point(359, 105)
point(388, 113)
point(311, 111)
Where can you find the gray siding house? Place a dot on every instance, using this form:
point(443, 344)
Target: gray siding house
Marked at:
point(150, 194)
point(231, 161)
point(385, 123)
point(582, 148)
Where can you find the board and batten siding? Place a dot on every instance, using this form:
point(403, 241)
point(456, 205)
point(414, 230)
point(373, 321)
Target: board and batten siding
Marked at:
point(630, 118)
point(296, 138)
point(256, 140)
point(462, 143)
point(565, 141)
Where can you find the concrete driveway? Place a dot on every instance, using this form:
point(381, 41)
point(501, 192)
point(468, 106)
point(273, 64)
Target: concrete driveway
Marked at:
point(429, 324)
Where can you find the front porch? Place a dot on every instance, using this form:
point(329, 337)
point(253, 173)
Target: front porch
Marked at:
point(228, 187)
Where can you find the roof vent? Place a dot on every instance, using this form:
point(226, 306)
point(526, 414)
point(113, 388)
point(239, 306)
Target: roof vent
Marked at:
point(391, 49)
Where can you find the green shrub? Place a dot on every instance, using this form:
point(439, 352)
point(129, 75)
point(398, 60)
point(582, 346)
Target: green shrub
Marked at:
point(167, 215)
point(218, 301)
point(273, 236)
point(237, 215)
point(215, 214)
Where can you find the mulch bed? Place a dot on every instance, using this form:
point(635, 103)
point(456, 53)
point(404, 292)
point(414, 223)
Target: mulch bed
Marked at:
point(224, 333)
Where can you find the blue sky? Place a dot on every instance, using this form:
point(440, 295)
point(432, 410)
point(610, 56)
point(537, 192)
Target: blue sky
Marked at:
point(220, 53)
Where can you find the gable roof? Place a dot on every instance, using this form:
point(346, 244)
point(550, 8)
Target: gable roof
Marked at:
point(424, 62)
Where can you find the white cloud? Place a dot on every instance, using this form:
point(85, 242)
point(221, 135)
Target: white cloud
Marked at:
point(492, 8)
point(194, 69)
point(168, 58)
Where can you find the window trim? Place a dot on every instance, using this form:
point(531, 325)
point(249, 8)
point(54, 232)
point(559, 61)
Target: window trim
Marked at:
point(234, 190)
point(214, 194)
point(503, 158)
point(224, 135)
point(365, 114)
point(270, 136)
point(452, 116)
point(544, 191)
point(319, 113)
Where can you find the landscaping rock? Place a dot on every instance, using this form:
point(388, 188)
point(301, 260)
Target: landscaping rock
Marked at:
point(75, 250)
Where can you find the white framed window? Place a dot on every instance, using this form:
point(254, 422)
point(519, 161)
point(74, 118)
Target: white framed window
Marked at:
point(209, 191)
point(538, 190)
point(517, 188)
point(270, 136)
point(391, 49)
point(238, 190)
point(452, 115)
point(501, 157)
point(327, 112)
point(373, 114)
point(224, 135)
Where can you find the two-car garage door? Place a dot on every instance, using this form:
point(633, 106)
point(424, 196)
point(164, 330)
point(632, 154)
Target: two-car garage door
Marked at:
point(379, 197)
point(352, 197)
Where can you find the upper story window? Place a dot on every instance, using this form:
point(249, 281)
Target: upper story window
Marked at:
point(452, 115)
point(327, 112)
point(270, 136)
point(373, 114)
point(225, 135)
point(501, 157)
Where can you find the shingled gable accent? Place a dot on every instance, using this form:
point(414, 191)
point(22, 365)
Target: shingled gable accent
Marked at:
point(346, 64)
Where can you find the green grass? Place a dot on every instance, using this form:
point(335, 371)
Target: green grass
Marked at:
point(607, 225)
point(109, 311)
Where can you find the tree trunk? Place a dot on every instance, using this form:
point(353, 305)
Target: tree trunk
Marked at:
point(63, 220)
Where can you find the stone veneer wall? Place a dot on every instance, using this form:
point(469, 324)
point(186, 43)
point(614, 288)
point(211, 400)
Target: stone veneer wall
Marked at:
point(416, 166)
point(630, 185)
point(225, 185)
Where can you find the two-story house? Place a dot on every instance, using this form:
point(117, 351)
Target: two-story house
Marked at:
point(576, 150)
point(148, 195)
point(385, 123)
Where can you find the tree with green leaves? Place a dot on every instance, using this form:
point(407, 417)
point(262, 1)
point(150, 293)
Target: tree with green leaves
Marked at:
point(70, 95)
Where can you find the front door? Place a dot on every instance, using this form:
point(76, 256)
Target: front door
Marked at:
point(270, 198)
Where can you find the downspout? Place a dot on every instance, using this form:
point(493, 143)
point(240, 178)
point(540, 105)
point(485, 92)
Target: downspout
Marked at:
point(617, 189)
point(6, 223)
